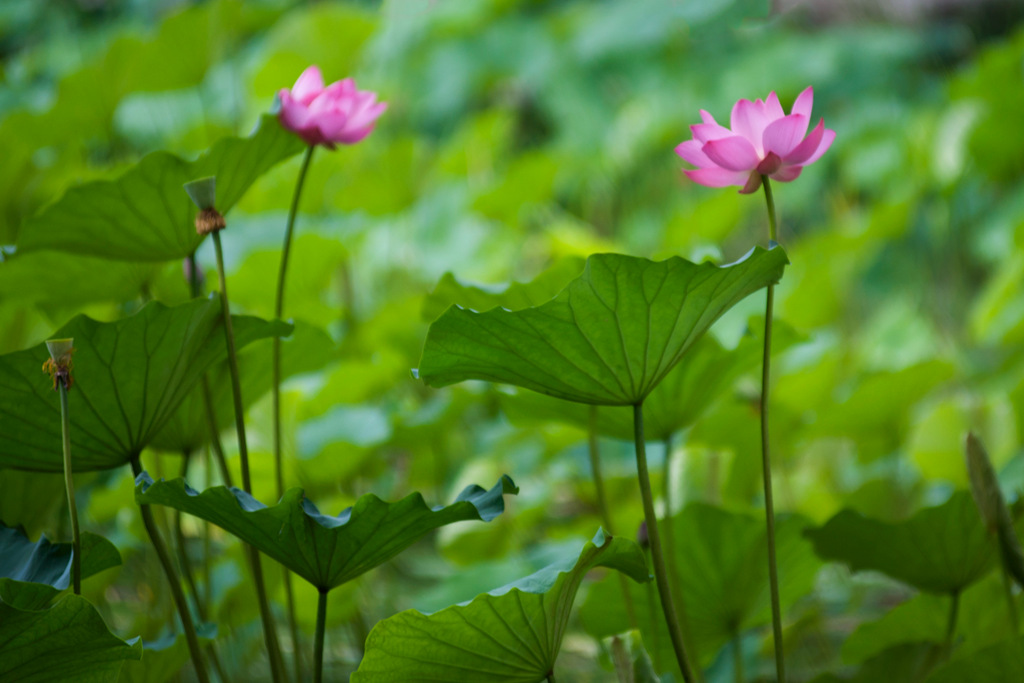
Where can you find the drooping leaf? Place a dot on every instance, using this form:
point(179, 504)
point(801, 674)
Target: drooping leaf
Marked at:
point(31, 574)
point(722, 566)
point(145, 215)
point(326, 551)
point(307, 349)
point(608, 338)
point(510, 634)
point(129, 378)
point(940, 549)
point(996, 664)
point(67, 642)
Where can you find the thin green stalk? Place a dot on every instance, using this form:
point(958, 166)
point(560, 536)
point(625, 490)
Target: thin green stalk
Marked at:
point(69, 486)
point(652, 613)
point(737, 656)
point(1011, 604)
point(172, 578)
point(673, 567)
point(276, 392)
point(954, 611)
point(657, 555)
point(321, 627)
point(211, 418)
point(266, 615)
point(602, 503)
point(207, 576)
point(769, 504)
point(179, 538)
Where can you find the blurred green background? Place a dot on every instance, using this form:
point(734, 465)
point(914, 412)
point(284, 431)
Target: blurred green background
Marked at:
point(520, 136)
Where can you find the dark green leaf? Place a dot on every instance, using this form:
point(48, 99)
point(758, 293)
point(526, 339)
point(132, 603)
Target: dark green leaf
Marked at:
point(608, 338)
point(940, 549)
point(67, 642)
point(145, 214)
point(31, 574)
point(326, 551)
point(511, 634)
point(129, 378)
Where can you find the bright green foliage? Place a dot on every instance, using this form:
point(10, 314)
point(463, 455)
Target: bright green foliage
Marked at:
point(145, 215)
point(942, 549)
point(996, 664)
point(129, 378)
point(67, 642)
point(31, 574)
point(513, 633)
point(608, 339)
point(308, 348)
point(326, 551)
point(722, 567)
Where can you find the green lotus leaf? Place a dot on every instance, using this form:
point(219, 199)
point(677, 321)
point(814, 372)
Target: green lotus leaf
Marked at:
point(608, 338)
point(145, 215)
point(511, 634)
point(31, 574)
point(721, 561)
point(67, 642)
point(130, 376)
point(941, 549)
point(326, 551)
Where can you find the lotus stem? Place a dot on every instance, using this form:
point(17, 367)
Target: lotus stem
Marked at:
point(602, 503)
point(179, 537)
point(69, 486)
point(172, 579)
point(657, 555)
point(769, 504)
point(673, 566)
point(954, 611)
point(266, 615)
point(321, 627)
point(211, 417)
point(276, 391)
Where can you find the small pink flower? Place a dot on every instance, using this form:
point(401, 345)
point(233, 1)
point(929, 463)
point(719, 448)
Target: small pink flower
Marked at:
point(762, 141)
point(337, 114)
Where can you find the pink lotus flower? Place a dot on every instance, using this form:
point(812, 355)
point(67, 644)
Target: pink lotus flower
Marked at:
point(763, 141)
point(328, 116)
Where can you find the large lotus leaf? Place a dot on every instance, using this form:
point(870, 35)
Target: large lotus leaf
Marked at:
point(704, 373)
point(145, 215)
point(129, 378)
point(326, 551)
point(51, 277)
point(721, 560)
point(608, 338)
point(511, 634)
point(308, 348)
point(514, 296)
point(31, 574)
point(940, 549)
point(996, 664)
point(67, 642)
